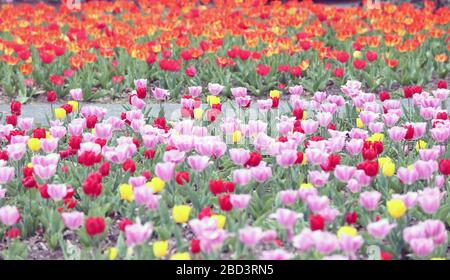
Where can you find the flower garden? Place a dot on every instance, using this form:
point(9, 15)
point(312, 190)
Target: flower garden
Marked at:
point(294, 131)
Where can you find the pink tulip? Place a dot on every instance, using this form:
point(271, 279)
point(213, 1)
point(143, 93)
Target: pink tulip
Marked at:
point(6, 174)
point(305, 193)
point(376, 127)
point(239, 91)
point(407, 176)
point(57, 191)
point(195, 91)
point(344, 173)
point(324, 118)
point(160, 94)
point(73, 220)
point(215, 89)
point(250, 236)
point(150, 141)
point(380, 229)
point(76, 94)
point(25, 123)
point(440, 134)
point(49, 145)
point(2, 193)
point(144, 196)
point(325, 242)
point(137, 182)
point(304, 241)
point(198, 163)
point(239, 156)
point(288, 197)
point(285, 217)
point(309, 126)
point(354, 186)
point(137, 233)
point(390, 119)
point(318, 178)
point(16, 151)
point(296, 90)
point(287, 158)
point(174, 156)
point(276, 255)
point(240, 201)
point(242, 176)
point(369, 200)
point(422, 247)
point(410, 198)
point(165, 170)
point(317, 203)
point(425, 169)
point(103, 130)
point(350, 244)
point(9, 215)
point(264, 104)
point(396, 133)
point(316, 156)
point(429, 154)
point(261, 173)
point(429, 200)
point(354, 146)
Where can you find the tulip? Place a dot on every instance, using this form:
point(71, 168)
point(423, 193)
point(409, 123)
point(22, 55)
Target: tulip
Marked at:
point(6, 174)
point(369, 200)
point(380, 229)
point(57, 191)
point(250, 236)
point(9, 215)
point(242, 176)
point(137, 234)
point(240, 201)
point(180, 213)
point(396, 208)
point(73, 220)
point(160, 248)
point(165, 170)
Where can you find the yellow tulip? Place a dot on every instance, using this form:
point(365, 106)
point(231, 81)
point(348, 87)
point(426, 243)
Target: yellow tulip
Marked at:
point(60, 113)
point(347, 230)
point(388, 169)
point(198, 113)
point(34, 144)
point(180, 213)
point(376, 137)
point(305, 115)
point(359, 123)
point(305, 186)
point(237, 136)
point(157, 184)
point(384, 160)
point(112, 253)
point(396, 208)
point(357, 54)
point(421, 145)
point(274, 93)
point(180, 257)
point(160, 248)
point(74, 105)
point(213, 100)
point(126, 192)
point(221, 220)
